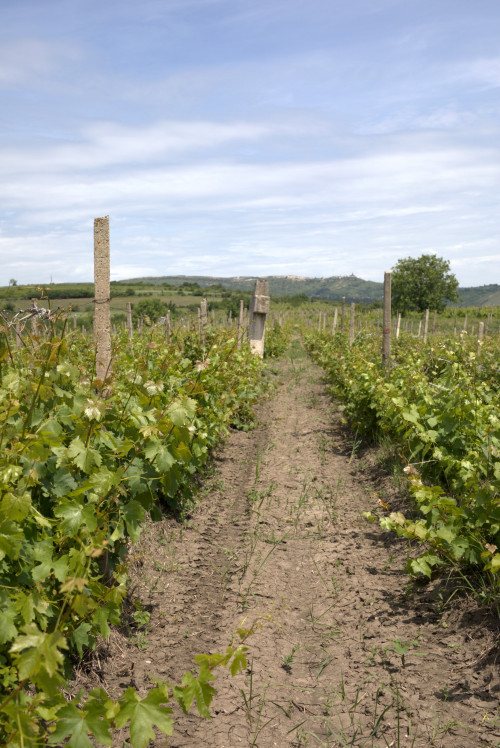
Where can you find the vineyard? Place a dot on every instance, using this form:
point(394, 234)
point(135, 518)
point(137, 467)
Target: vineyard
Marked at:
point(92, 472)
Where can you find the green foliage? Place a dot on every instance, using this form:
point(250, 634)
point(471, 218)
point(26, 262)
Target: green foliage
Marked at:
point(78, 473)
point(277, 341)
point(440, 405)
point(151, 309)
point(422, 283)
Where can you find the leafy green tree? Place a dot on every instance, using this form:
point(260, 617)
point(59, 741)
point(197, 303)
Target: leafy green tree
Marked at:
point(422, 283)
point(151, 308)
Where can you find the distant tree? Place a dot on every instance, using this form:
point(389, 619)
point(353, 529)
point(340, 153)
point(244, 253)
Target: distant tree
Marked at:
point(12, 282)
point(151, 308)
point(422, 283)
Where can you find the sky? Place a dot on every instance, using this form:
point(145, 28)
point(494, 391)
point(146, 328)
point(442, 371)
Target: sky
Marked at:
point(249, 137)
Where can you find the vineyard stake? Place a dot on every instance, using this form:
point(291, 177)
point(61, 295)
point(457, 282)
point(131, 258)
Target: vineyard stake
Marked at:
point(398, 326)
point(426, 325)
point(480, 335)
point(342, 314)
point(351, 324)
point(334, 325)
point(386, 323)
point(259, 308)
point(129, 320)
point(240, 323)
point(102, 317)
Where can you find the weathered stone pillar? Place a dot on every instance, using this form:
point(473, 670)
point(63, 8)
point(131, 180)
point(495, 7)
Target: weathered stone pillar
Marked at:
point(386, 323)
point(102, 321)
point(259, 308)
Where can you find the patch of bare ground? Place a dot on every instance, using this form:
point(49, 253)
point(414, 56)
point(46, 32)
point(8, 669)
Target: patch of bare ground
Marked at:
point(346, 652)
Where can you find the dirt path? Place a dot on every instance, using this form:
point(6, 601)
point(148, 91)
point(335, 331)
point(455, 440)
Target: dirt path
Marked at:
point(347, 652)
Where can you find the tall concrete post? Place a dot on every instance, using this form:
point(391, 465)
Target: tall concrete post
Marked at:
point(259, 308)
point(386, 324)
point(102, 321)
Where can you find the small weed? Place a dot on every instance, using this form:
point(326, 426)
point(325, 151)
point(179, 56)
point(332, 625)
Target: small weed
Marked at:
point(401, 648)
point(389, 561)
point(141, 641)
point(288, 659)
point(141, 616)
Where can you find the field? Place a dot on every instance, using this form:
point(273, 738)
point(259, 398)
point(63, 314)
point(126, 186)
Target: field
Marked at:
point(308, 555)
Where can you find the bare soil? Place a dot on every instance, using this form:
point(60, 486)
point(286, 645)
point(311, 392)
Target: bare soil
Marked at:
point(347, 650)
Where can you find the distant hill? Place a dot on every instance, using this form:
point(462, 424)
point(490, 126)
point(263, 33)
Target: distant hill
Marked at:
point(334, 288)
point(354, 289)
point(480, 295)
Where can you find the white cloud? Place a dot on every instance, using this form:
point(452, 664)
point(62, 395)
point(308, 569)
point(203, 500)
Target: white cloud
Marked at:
point(27, 59)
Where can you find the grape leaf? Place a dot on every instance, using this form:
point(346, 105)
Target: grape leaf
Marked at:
point(79, 723)
point(143, 714)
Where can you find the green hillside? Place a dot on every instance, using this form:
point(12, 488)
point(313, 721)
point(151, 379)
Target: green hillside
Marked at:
point(354, 289)
point(480, 295)
point(334, 288)
point(180, 289)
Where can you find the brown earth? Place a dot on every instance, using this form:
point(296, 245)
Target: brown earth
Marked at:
point(278, 541)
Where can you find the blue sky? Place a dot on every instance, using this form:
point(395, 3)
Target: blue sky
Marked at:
point(249, 137)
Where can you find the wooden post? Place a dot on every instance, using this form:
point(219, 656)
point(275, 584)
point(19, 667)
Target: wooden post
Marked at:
point(240, 323)
point(202, 320)
point(259, 308)
point(102, 317)
point(386, 323)
point(351, 324)
point(129, 320)
point(342, 314)
point(426, 325)
point(480, 335)
point(398, 326)
point(167, 326)
point(17, 335)
point(334, 325)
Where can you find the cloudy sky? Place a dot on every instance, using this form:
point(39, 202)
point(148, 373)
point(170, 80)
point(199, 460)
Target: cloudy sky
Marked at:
point(249, 137)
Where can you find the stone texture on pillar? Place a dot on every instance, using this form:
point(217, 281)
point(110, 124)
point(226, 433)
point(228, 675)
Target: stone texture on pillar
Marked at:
point(102, 321)
point(259, 308)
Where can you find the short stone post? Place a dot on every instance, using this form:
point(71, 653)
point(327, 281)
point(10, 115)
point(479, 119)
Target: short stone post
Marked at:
point(259, 308)
point(102, 316)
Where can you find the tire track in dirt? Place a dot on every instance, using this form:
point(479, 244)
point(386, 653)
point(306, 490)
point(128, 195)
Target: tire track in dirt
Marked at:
point(345, 651)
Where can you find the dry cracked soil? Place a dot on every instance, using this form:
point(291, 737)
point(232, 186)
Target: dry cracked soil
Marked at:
point(346, 650)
